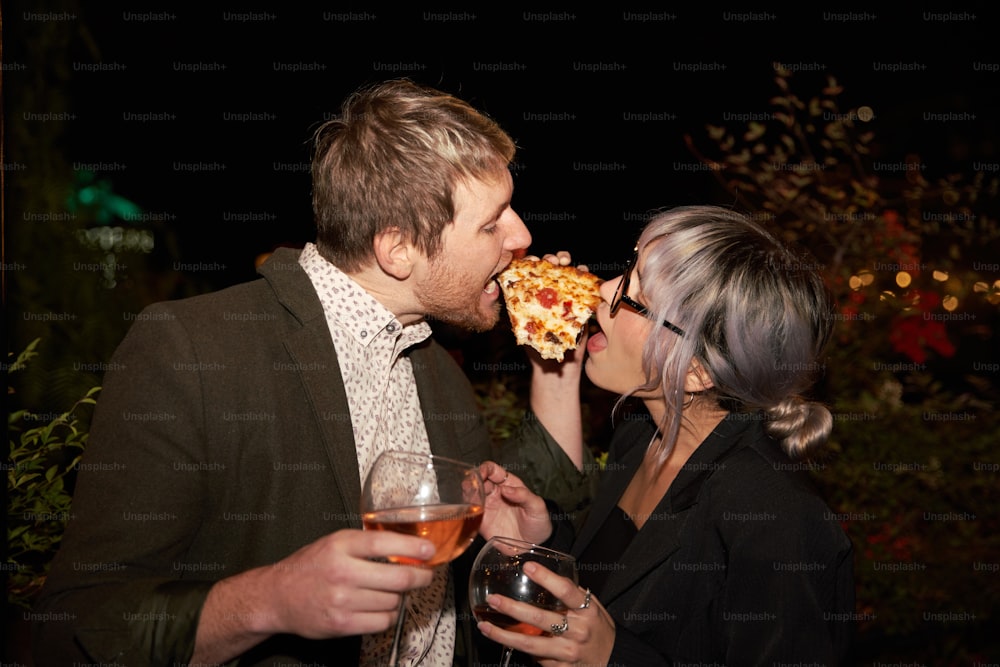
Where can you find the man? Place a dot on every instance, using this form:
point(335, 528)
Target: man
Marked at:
point(216, 511)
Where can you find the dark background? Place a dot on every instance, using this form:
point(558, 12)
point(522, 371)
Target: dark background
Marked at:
point(107, 88)
point(583, 70)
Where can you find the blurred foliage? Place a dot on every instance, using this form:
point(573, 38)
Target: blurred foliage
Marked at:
point(77, 284)
point(502, 405)
point(918, 498)
point(43, 454)
point(912, 263)
point(80, 257)
point(911, 372)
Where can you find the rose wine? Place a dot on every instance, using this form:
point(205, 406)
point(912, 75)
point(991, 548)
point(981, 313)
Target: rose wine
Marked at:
point(483, 612)
point(450, 527)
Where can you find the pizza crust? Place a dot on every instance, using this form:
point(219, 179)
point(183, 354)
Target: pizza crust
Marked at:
point(548, 304)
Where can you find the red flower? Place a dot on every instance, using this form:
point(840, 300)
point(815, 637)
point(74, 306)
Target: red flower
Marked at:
point(892, 225)
point(912, 334)
point(905, 339)
point(924, 299)
point(937, 339)
point(888, 541)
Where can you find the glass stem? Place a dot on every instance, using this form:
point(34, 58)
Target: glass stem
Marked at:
point(394, 654)
point(506, 655)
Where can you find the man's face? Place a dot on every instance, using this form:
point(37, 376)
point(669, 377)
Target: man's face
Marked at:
point(460, 284)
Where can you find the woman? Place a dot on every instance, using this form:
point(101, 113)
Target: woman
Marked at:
point(705, 543)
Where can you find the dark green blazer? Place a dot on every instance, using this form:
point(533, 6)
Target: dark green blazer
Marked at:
point(222, 441)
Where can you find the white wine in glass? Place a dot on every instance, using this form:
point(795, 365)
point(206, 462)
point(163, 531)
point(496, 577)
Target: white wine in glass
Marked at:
point(433, 497)
point(498, 569)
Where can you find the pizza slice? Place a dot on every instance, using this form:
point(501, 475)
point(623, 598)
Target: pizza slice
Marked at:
point(548, 305)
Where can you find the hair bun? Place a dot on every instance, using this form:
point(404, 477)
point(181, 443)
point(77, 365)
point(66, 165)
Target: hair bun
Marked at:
point(799, 425)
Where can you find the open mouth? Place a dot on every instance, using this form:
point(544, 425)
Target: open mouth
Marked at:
point(492, 285)
point(596, 340)
point(590, 328)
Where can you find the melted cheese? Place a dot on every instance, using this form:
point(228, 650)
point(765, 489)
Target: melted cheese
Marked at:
point(548, 305)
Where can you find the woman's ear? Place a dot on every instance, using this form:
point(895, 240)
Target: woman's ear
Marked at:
point(394, 253)
point(697, 378)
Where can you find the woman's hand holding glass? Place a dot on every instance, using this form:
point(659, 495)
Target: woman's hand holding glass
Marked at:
point(499, 569)
point(584, 634)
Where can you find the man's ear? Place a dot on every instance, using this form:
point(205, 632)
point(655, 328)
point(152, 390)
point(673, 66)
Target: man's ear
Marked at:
point(697, 378)
point(394, 253)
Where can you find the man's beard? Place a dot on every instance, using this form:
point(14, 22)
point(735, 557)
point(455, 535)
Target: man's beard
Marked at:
point(447, 296)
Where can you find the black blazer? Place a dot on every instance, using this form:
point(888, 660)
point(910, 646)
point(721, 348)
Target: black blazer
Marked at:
point(742, 562)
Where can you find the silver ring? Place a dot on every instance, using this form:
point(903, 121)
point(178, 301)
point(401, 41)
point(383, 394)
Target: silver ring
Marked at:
point(561, 628)
point(586, 601)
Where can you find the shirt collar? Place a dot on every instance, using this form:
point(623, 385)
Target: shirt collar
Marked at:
point(353, 309)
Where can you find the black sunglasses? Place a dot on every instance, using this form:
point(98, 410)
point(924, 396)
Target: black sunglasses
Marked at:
point(621, 296)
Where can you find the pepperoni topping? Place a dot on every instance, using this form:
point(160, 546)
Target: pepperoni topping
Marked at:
point(547, 297)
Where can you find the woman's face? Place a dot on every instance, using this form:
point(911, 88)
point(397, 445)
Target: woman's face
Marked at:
point(614, 360)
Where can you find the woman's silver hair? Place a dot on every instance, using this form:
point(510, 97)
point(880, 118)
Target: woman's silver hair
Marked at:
point(756, 317)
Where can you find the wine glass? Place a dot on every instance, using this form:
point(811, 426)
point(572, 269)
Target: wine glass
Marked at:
point(498, 568)
point(433, 497)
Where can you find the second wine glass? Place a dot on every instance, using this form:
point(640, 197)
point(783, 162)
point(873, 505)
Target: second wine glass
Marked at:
point(499, 569)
